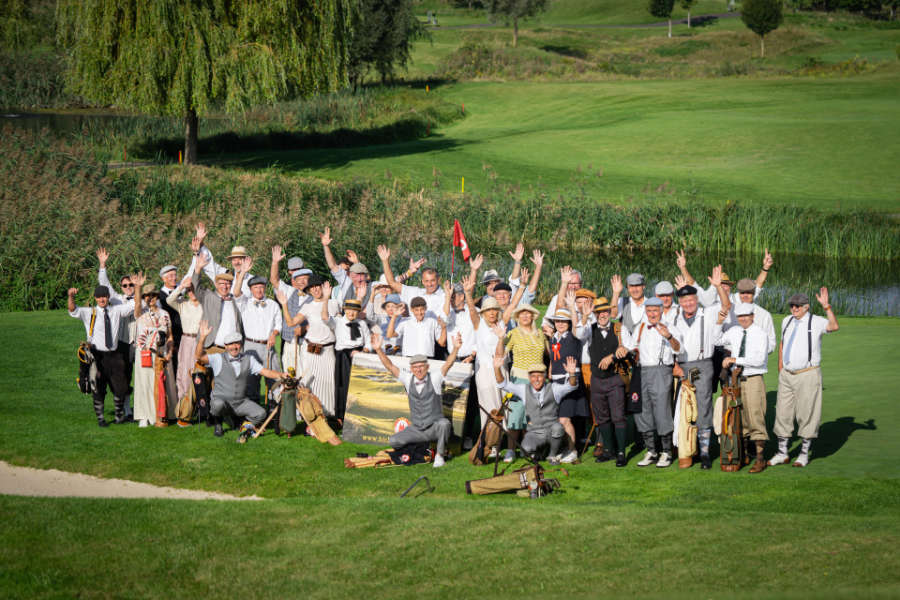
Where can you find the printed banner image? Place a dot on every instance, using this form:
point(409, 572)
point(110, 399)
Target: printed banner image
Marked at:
point(376, 400)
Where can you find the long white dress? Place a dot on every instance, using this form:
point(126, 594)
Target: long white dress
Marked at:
point(153, 329)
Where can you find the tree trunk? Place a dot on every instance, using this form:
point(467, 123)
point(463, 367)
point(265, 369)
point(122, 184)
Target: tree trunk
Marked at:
point(190, 137)
point(762, 46)
point(670, 26)
point(515, 32)
point(689, 19)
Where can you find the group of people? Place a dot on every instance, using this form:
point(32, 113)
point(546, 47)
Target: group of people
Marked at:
point(590, 359)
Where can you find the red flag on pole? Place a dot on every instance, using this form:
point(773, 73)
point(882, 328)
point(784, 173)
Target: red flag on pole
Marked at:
point(460, 240)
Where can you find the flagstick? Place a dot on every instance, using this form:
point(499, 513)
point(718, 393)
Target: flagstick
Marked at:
point(452, 257)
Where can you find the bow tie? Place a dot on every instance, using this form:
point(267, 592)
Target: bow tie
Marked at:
point(129, 297)
point(260, 302)
point(227, 297)
point(235, 359)
point(604, 329)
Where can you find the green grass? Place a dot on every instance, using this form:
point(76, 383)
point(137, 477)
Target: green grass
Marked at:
point(331, 531)
point(822, 142)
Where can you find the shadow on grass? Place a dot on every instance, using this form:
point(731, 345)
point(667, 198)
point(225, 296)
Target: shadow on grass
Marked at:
point(834, 434)
point(300, 158)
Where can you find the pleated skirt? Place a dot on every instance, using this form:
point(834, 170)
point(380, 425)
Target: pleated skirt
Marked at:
point(318, 375)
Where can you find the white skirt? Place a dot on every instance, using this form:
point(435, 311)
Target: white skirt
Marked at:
point(317, 373)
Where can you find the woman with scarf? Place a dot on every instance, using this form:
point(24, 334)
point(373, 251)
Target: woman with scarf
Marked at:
point(154, 379)
point(564, 344)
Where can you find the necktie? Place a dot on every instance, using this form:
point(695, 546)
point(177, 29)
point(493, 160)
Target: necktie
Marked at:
point(354, 330)
point(743, 345)
point(107, 326)
point(787, 349)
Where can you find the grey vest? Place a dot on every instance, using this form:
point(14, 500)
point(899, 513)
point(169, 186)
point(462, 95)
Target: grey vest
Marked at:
point(541, 417)
point(351, 295)
point(626, 319)
point(229, 388)
point(426, 407)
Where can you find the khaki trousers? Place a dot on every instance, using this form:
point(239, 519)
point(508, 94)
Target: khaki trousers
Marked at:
point(753, 413)
point(800, 399)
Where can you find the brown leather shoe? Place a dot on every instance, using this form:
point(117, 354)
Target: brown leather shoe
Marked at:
point(759, 466)
point(598, 450)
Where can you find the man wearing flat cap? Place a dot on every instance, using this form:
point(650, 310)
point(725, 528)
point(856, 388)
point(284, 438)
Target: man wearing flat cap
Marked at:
point(231, 370)
point(670, 310)
point(353, 282)
point(169, 276)
point(541, 405)
point(748, 345)
point(631, 306)
point(292, 297)
point(800, 375)
point(101, 324)
point(656, 347)
point(237, 257)
point(219, 308)
point(424, 388)
point(700, 328)
point(261, 318)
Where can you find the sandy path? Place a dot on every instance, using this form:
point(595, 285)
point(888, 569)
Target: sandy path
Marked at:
point(25, 481)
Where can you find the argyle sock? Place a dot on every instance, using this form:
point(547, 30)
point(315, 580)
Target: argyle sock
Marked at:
point(782, 445)
point(703, 437)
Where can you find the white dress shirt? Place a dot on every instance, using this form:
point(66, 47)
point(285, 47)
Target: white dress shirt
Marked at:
point(460, 322)
point(259, 317)
point(437, 380)
point(116, 314)
point(755, 348)
point(485, 345)
point(761, 317)
point(693, 346)
point(798, 357)
point(418, 336)
point(228, 322)
point(434, 303)
point(343, 341)
point(655, 350)
point(216, 361)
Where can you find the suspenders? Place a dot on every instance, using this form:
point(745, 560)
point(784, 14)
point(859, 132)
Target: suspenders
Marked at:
point(702, 339)
point(808, 336)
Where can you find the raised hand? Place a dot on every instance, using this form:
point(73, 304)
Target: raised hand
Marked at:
point(376, 340)
point(138, 279)
point(565, 275)
point(205, 329)
point(616, 283)
point(71, 292)
point(468, 284)
point(570, 300)
point(547, 328)
point(476, 261)
point(282, 299)
point(768, 261)
point(326, 290)
point(716, 278)
point(524, 275)
point(571, 366)
point(663, 330)
point(102, 256)
point(680, 282)
point(202, 261)
point(352, 256)
point(325, 237)
point(448, 289)
point(518, 253)
point(680, 259)
point(822, 296)
point(246, 264)
point(384, 253)
point(499, 329)
point(196, 243)
point(537, 257)
point(185, 282)
point(201, 231)
point(277, 254)
point(415, 264)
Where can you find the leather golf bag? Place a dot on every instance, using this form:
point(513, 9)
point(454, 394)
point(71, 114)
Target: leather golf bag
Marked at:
point(687, 419)
point(311, 410)
point(731, 440)
point(489, 437)
point(87, 369)
point(520, 479)
point(201, 383)
point(381, 459)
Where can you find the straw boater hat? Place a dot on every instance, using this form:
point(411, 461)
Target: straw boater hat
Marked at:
point(352, 303)
point(562, 314)
point(727, 279)
point(225, 276)
point(526, 307)
point(601, 304)
point(585, 293)
point(537, 368)
point(238, 252)
point(489, 304)
point(148, 289)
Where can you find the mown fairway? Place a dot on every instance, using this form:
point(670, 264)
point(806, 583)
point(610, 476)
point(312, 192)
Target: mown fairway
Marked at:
point(332, 532)
point(827, 142)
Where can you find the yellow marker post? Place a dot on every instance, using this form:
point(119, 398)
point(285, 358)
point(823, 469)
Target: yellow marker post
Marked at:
point(179, 157)
point(426, 88)
point(462, 185)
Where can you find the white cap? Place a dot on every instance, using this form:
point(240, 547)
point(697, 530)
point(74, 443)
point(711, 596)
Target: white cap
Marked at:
point(743, 309)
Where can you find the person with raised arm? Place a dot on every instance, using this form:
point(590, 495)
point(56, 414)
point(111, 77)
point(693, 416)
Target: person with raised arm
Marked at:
point(564, 344)
point(800, 375)
point(430, 291)
point(184, 301)
point(261, 318)
point(353, 282)
point(219, 307)
point(709, 296)
point(212, 269)
point(294, 296)
point(426, 408)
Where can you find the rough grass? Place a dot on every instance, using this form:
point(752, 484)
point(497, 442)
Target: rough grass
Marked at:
point(336, 532)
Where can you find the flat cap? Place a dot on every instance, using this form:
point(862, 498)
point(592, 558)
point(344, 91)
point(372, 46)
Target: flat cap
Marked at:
point(746, 285)
point(664, 288)
point(654, 301)
point(257, 280)
point(166, 269)
point(490, 275)
point(634, 279)
point(233, 338)
point(687, 290)
point(418, 358)
point(537, 368)
point(743, 309)
point(798, 299)
point(301, 272)
point(359, 268)
point(392, 299)
point(502, 287)
point(294, 263)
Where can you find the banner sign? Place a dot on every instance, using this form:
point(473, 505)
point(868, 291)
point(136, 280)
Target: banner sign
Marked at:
point(376, 400)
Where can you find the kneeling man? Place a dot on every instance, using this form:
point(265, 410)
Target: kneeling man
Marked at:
point(541, 404)
point(426, 409)
point(231, 383)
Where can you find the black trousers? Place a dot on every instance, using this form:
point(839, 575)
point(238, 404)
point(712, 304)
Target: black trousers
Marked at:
point(343, 363)
point(719, 354)
point(111, 373)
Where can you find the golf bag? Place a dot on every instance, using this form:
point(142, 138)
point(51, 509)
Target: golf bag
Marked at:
point(686, 415)
point(731, 440)
point(490, 437)
point(530, 478)
point(201, 384)
point(87, 369)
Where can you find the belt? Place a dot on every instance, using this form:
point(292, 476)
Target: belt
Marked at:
point(797, 372)
point(263, 342)
point(743, 378)
point(192, 335)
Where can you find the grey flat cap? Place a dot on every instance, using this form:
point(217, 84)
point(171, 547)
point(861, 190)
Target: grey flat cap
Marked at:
point(300, 272)
point(654, 301)
point(490, 275)
point(294, 263)
point(798, 300)
point(634, 279)
point(166, 269)
point(418, 358)
point(743, 309)
point(256, 280)
point(233, 338)
point(664, 288)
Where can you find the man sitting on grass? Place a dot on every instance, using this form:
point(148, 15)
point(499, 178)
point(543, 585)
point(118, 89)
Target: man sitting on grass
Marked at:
point(231, 382)
point(426, 410)
point(541, 405)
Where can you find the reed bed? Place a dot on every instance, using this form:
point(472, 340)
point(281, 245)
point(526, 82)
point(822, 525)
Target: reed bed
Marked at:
point(57, 204)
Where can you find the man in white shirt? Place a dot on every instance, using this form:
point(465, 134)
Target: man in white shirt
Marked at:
point(656, 347)
point(238, 258)
point(630, 309)
point(431, 291)
point(665, 292)
point(426, 407)
point(231, 370)
point(748, 345)
point(101, 324)
point(800, 376)
point(700, 328)
point(419, 332)
point(261, 318)
point(294, 265)
point(541, 405)
point(746, 293)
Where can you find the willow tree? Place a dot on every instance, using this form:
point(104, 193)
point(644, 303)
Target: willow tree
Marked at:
point(190, 57)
